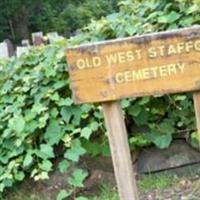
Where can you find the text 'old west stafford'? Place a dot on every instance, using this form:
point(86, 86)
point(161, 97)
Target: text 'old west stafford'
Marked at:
point(130, 56)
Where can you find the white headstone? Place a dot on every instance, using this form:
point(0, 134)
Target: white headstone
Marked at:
point(25, 43)
point(4, 52)
point(21, 50)
point(37, 38)
point(53, 36)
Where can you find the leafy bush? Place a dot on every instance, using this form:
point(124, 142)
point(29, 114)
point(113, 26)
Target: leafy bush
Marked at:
point(40, 122)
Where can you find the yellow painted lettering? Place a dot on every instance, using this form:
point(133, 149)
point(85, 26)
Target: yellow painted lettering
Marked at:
point(172, 69)
point(171, 50)
point(138, 54)
point(163, 71)
point(154, 71)
point(88, 64)
point(96, 61)
point(162, 50)
point(81, 64)
point(152, 52)
point(180, 47)
point(146, 73)
point(181, 66)
point(197, 45)
point(119, 78)
point(130, 56)
point(137, 75)
point(111, 59)
point(121, 57)
point(189, 46)
point(128, 76)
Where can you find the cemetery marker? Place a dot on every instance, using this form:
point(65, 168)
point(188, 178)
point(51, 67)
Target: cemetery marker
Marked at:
point(153, 64)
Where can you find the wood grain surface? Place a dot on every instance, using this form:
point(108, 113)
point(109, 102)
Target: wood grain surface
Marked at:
point(154, 64)
point(118, 140)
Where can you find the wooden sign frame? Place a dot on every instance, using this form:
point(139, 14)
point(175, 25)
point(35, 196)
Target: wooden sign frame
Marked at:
point(83, 75)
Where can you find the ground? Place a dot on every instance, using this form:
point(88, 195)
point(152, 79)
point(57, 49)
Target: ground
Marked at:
point(176, 183)
point(168, 185)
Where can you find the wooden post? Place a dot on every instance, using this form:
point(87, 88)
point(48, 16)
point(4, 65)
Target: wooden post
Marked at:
point(196, 97)
point(137, 71)
point(120, 151)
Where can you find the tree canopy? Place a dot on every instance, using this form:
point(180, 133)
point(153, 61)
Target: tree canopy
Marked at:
point(19, 18)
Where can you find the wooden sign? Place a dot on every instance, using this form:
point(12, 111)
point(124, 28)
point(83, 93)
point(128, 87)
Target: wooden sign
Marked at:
point(154, 64)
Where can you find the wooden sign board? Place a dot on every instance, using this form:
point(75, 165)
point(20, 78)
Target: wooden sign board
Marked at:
point(154, 64)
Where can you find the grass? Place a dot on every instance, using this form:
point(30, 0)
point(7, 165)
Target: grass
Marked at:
point(156, 181)
point(107, 192)
point(21, 194)
point(146, 183)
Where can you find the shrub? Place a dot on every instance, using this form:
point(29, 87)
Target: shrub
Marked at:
point(39, 120)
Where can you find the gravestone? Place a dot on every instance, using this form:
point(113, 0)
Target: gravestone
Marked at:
point(4, 53)
point(37, 38)
point(21, 50)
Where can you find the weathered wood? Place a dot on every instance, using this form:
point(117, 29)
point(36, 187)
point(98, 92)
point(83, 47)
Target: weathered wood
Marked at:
point(196, 97)
point(120, 151)
point(153, 64)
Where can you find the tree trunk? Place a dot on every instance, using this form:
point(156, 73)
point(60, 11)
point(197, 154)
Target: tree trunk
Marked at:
point(20, 24)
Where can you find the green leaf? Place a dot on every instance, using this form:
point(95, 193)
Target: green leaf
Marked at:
point(47, 151)
point(27, 160)
point(75, 152)
point(19, 176)
point(162, 141)
point(86, 133)
point(134, 110)
point(144, 101)
point(63, 194)
point(166, 127)
point(131, 30)
point(81, 198)
point(125, 103)
point(169, 18)
point(64, 166)
point(2, 186)
point(180, 97)
point(46, 165)
point(66, 114)
point(65, 102)
point(195, 140)
point(54, 133)
point(94, 126)
point(78, 176)
point(192, 9)
point(17, 124)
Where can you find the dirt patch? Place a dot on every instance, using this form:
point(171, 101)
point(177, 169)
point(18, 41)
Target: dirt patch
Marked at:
point(185, 189)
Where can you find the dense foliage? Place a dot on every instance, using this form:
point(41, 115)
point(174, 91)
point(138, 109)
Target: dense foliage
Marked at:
point(40, 122)
point(19, 18)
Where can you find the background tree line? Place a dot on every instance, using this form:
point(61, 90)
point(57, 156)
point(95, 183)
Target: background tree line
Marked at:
point(19, 18)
